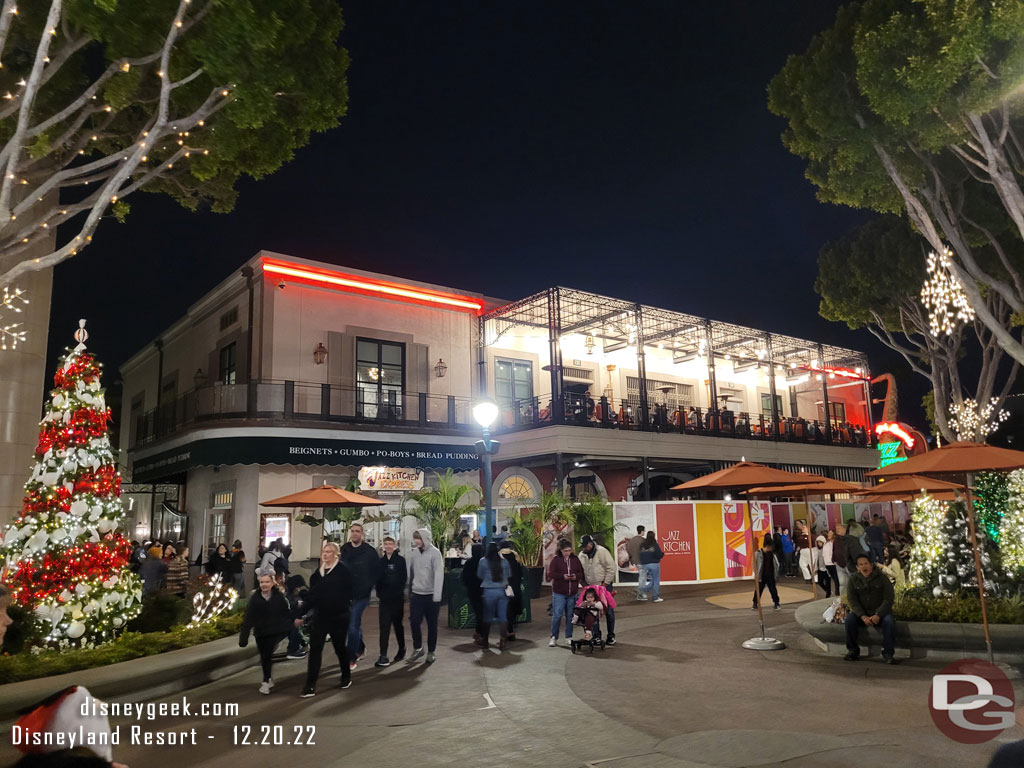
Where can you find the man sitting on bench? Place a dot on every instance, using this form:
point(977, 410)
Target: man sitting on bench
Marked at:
point(870, 595)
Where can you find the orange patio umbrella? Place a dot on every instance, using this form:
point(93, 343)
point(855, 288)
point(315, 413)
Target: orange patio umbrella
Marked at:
point(747, 474)
point(963, 458)
point(907, 496)
point(324, 497)
point(911, 484)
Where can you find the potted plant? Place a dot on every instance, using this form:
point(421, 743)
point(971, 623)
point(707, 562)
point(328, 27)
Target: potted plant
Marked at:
point(439, 508)
point(593, 517)
point(527, 535)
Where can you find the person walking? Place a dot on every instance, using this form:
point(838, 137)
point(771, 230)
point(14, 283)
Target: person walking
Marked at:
point(474, 590)
point(266, 616)
point(599, 570)
point(828, 554)
point(494, 573)
point(650, 562)
point(236, 566)
point(515, 581)
point(362, 560)
point(391, 578)
point(330, 601)
point(152, 571)
point(426, 580)
point(633, 545)
point(766, 566)
point(802, 542)
point(820, 568)
point(297, 592)
point(565, 572)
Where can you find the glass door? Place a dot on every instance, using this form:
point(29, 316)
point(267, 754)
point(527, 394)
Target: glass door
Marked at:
point(380, 379)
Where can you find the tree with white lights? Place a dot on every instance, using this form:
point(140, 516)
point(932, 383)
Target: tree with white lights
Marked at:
point(68, 562)
point(941, 558)
point(1011, 528)
point(102, 98)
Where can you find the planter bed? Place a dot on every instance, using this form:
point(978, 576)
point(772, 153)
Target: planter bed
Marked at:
point(918, 639)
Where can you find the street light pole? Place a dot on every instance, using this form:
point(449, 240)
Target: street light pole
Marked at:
point(484, 413)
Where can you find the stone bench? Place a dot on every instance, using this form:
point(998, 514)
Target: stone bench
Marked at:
point(917, 639)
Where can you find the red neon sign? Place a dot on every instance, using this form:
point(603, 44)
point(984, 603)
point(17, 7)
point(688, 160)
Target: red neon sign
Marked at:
point(893, 428)
point(845, 373)
point(371, 286)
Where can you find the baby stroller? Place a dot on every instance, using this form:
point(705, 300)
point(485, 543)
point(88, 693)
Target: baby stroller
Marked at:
point(587, 616)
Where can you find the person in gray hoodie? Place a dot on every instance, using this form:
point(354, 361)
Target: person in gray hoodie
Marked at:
point(426, 577)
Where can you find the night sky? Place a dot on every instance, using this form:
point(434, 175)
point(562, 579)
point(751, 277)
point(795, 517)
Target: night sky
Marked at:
point(620, 147)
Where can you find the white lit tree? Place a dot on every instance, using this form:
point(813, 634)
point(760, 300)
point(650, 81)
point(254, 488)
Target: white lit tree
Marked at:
point(68, 562)
point(1011, 527)
point(102, 98)
point(941, 558)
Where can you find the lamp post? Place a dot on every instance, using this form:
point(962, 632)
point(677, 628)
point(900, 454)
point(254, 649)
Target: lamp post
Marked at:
point(484, 413)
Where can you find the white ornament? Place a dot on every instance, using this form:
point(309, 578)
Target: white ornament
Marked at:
point(118, 621)
point(81, 589)
point(49, 477)
point(75, 630)
point(58, 535)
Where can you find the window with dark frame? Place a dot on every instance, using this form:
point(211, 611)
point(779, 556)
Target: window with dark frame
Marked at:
point(227, 373)
point(766, 405)
point(380, 378)
point(513, 380)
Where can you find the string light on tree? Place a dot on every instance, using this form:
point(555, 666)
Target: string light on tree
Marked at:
point(67, 560)
point(12, 334)
point(944, 297)
point(991, 498)
point(209, 605)
point(1011, 527)
point(971, 421)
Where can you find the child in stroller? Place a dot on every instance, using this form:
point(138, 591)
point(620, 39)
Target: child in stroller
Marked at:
point(587, 614)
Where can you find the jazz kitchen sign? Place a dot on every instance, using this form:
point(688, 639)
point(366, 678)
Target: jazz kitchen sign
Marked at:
point(390, 479)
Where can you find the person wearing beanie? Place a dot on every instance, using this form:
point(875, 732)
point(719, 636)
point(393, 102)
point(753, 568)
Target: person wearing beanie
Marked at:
point(236, 566)
point(599, 570)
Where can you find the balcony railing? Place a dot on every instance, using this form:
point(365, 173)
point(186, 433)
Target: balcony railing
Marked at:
point(303, 401)
point(297, 401)
point(581, 411)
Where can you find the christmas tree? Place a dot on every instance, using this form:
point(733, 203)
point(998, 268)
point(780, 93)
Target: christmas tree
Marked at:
point(67, 561)
point(990, 499)
point(1011, 532)
point(941, 558)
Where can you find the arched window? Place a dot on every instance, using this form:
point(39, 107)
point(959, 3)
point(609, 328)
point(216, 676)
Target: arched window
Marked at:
point(515, 487)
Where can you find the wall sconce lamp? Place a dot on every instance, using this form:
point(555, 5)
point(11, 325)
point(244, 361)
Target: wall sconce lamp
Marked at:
point(200, 379)
point(440, 369)
point(589, 344)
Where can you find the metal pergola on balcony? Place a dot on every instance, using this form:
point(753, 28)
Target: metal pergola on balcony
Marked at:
point(613, 324)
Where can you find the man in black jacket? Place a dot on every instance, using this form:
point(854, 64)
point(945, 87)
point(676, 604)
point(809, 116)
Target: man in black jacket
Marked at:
point(330, 600)
point(870, 595)
point(362, 561)
point(391, 593)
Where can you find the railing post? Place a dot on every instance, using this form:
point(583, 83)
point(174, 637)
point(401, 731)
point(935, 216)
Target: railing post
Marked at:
point(451, 411)
point(250, 398)
point(325, 401)
point(422, 405)
point(289, 399)
point(605, 421)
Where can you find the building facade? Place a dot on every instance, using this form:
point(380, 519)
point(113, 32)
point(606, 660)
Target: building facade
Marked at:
point(291, 373)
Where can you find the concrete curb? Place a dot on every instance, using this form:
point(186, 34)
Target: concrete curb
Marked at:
point(924, 639)
point(140, 679)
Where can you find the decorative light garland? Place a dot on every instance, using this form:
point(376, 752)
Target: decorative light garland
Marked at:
point(943, 296)
point(209, 606)
point(12, 300)
point(68, 562)
point(971, 421)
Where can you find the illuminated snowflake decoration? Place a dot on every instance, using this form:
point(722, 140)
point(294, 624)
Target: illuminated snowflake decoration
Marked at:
point(943, 296)
point(972, 421)
point(11, 334)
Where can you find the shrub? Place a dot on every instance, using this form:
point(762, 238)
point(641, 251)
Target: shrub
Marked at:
point(958, 607)
point(160, 612)
point(22, 631)
point(130, 645)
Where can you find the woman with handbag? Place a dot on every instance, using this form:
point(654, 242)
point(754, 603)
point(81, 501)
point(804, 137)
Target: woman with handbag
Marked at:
point(494, 572)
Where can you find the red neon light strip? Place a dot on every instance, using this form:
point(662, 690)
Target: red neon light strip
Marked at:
point(382, 287)
point(844, 372)
point(893, 428)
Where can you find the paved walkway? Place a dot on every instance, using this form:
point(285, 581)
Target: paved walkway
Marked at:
point(677, 691)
